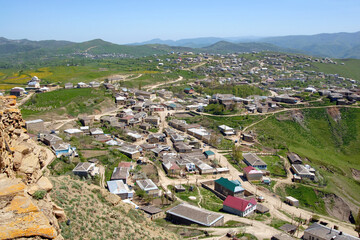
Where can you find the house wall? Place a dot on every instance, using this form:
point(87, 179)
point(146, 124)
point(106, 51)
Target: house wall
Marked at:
point(153, 192)
point(308, 236)
point(81, 174)
point(238, 212)
point(257, 176)
point(153, 140)
point(206, 171)
point(223, 190)
point(123, 195)
point(292, 203)
point(262, 167)
point(210, 157)
point(157, 215)
point(35, 127)
point(62, 153)
point(135, 156)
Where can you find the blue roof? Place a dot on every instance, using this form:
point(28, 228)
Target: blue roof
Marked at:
point(117, 187)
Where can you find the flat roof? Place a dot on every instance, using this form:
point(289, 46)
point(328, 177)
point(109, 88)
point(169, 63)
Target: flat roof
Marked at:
point(150, 209)
point(323, 232)
point(34, 121)
point(146, 184)
point(72, 131)
point(292, 199)
point(83, 167)
point(117, 187)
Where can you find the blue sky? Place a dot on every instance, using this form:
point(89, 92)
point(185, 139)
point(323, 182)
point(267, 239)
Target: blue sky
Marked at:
point(121, 21)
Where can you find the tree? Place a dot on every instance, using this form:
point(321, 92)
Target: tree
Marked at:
point(148, 198)
point(162, 199)
point(140, 193)
point(237, 154)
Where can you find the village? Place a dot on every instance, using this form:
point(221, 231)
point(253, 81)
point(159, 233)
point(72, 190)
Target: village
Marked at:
point(173, 168)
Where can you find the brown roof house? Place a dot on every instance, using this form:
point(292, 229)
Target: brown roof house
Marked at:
point(51, 139)
point(152, 212)
point(120, 173)
point(302, 171)
point(294, 158)
point(83, 169)
point(148, 186)
point(251, 159)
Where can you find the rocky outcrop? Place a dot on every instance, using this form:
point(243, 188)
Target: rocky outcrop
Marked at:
point(21, 163)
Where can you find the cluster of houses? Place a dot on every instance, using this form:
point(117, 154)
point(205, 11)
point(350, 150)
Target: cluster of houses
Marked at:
point(56, 143)
point(300, 170)
point(32, 85)
point(92, 84)
point(236, 201)
point(256, 169)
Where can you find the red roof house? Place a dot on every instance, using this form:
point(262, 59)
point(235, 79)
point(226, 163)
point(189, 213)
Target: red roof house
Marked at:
point(239, 206)
point(125, 164)
point(252, 173)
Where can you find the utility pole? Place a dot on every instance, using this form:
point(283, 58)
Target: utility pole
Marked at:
point(298, 227)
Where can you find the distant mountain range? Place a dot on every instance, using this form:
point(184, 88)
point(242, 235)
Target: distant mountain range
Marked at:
point(337, 45)
point(334, 45)
point(197, 42)
point(21, 51)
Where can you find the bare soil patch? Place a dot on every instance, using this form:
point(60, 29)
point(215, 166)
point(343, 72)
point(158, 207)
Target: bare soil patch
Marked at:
point(283, 117)
point(334, 113)
point(183, 115)
point(337, 207)
point(355, 174)
point(151, 172)
point(93, 153)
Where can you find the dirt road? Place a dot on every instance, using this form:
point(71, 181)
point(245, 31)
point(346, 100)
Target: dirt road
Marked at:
point(153, 86)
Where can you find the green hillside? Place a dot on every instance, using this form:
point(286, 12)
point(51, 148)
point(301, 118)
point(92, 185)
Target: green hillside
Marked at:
point(228, 47)
point(334, 45)
point(66, 102)
point(332, 147)
point(350, 69)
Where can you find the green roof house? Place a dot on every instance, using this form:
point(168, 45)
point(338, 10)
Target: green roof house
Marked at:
point(209, 154)
point(229, 187)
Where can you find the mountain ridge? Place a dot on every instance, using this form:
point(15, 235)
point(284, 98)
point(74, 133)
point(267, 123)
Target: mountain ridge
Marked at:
point(337, 45)
point(334, 45)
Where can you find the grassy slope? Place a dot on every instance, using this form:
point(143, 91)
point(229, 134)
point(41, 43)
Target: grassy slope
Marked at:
point(94, 70)
point(237, 90)
point(351, 69)
point(333, 148)
point(93, 217)
point(70, 101)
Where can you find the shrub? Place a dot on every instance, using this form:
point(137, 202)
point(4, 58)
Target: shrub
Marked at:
point(40, 194)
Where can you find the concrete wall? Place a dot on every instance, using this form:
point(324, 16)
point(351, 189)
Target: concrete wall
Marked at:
point(179, 220)
point(35, 127)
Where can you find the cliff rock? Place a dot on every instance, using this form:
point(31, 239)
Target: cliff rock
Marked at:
point(21, 163)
